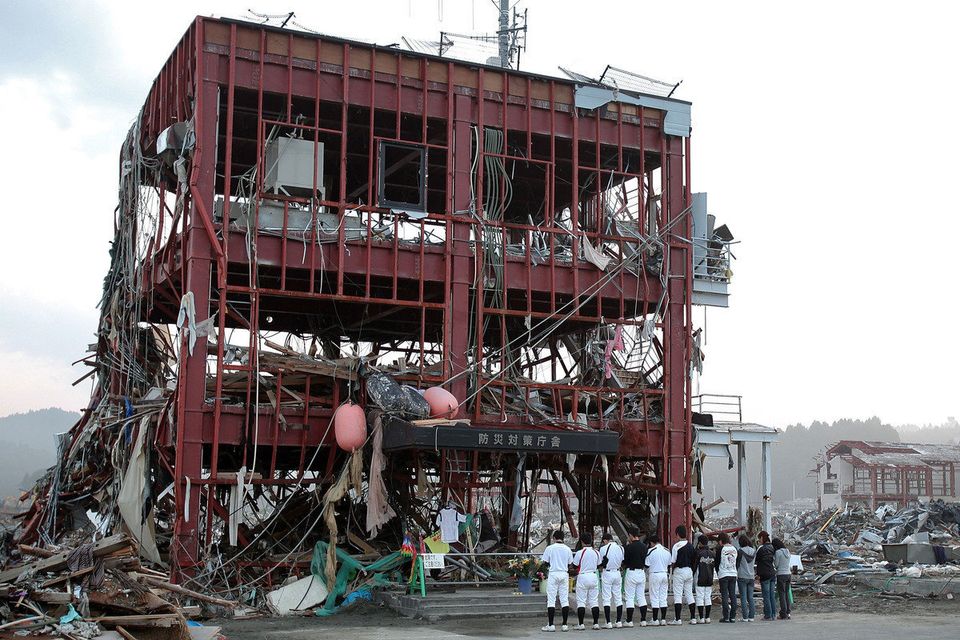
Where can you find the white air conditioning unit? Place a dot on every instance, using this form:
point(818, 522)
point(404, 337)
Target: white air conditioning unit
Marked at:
point(289, 167)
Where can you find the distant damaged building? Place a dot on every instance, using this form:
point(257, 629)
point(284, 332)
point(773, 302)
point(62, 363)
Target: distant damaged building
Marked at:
point(894, 473)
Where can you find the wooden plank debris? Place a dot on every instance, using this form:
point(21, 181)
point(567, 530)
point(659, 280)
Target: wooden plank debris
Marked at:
point(161, 620)
point(58, 561)
point(183, 591)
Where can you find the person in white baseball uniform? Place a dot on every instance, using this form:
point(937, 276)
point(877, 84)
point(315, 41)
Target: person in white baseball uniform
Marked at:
point(658, 559)
point(683, 557)
point(611, 582)
point(587, 561)
point(635, 578)
point(558, 558)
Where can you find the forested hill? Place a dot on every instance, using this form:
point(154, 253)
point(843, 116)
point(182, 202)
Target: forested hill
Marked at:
point(28, 445)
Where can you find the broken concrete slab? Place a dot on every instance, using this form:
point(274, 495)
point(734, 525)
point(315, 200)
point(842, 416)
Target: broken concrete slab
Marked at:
point(922, 586)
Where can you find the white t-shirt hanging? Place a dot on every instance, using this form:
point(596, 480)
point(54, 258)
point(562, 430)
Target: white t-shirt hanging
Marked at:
point(449, 521)
point(588, 559)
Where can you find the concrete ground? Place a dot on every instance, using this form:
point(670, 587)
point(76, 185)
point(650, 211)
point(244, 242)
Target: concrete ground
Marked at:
point(815, 620)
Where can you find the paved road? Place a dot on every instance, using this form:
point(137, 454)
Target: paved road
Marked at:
point(804, 626)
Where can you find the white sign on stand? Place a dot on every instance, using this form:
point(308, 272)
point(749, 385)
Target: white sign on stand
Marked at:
point(432, 560)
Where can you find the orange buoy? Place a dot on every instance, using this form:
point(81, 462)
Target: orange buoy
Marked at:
point(350, 426)
point(442, 403)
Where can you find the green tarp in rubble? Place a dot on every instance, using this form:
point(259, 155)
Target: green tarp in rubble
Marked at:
point(378, 572)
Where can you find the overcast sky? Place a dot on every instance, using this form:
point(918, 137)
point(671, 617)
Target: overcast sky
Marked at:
point(826, 134)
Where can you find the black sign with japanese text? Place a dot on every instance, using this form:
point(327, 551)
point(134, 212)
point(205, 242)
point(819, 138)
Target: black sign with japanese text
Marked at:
point(400, 434)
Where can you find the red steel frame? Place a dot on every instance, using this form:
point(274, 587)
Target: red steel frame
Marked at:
point(214, 61)
point(903, 498)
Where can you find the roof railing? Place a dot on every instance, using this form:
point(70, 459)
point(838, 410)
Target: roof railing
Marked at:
point(723, 407)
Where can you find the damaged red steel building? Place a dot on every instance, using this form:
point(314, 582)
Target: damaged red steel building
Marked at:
point(318, 210)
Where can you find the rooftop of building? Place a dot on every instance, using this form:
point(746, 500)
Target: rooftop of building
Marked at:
point(894, 453)
point(613, 78)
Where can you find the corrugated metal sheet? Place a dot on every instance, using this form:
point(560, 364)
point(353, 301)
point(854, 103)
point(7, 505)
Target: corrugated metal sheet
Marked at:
point(455, 48)
point(629, 81)
point(676, 121)
point(578, 77)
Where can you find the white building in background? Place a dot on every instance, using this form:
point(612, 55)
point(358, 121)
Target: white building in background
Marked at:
point(897, 473)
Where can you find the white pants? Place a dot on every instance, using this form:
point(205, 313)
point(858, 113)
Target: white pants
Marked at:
point(704, 594)
point(611, 588)
point(658, 590)
point(683, 585)
point(587, 590)
point(558, 587)
point(635, 586)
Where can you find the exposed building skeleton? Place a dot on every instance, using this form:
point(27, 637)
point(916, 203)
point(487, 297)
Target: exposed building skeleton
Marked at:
point(462, 226)
point(892, 473)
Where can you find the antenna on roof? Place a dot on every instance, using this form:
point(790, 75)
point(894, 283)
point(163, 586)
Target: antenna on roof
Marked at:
point(511, 33)
point(501, 48)
point(503, 33)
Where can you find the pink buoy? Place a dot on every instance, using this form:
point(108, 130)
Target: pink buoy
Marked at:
point(350, 426)
point(442, 403)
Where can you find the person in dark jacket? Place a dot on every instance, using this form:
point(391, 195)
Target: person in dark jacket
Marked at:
point(767, 573)
point(704, 580)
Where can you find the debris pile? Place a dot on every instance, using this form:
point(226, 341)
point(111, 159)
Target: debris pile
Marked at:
point(99, 590)
point(918, 541)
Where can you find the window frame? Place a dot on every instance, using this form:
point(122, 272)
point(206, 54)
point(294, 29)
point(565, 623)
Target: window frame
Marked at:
point(382, 200)
point(862, 484)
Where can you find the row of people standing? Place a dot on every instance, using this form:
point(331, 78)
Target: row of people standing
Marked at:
point(622, 578)
point(627, 573)
point(736, 566)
